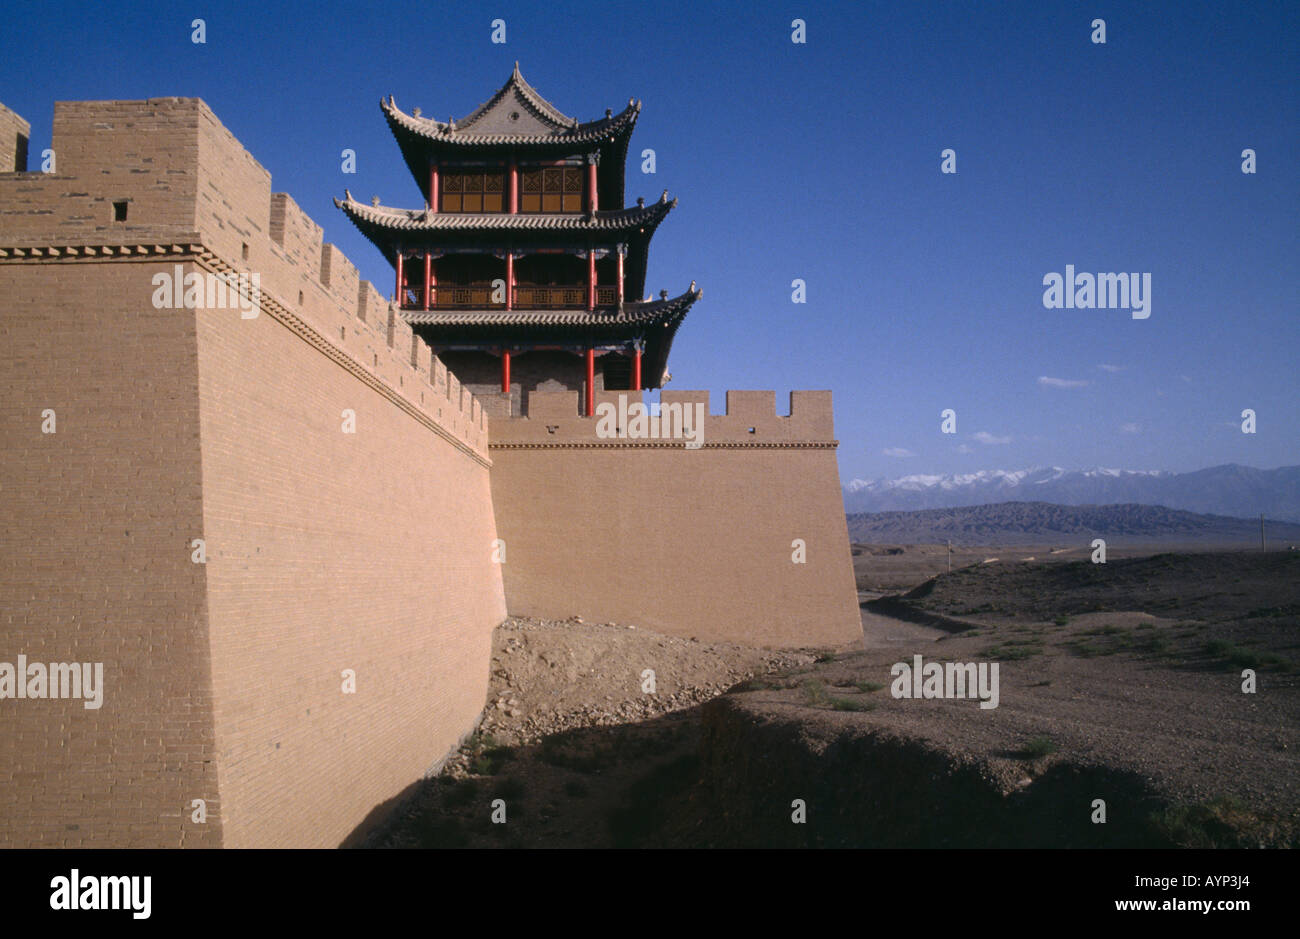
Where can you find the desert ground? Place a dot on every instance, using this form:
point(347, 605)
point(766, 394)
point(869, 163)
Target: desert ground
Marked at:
point(1119, 684)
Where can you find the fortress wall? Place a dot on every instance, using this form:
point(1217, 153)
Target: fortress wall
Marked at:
point(326, 551)
point(15, 136)
point(141, 152)
point(95, 563)
point(688, 542)
point(332, 551)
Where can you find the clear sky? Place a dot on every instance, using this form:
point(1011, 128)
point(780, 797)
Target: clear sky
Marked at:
point(821, 161)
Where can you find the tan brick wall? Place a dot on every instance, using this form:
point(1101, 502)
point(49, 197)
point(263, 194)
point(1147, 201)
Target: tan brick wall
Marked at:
point(15, 134)
point(95, 566)
point(326, 551)
point(688, 542)
point(332, 551)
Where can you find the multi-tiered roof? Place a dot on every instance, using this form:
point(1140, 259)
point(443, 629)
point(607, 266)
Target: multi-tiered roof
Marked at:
point(523, 242)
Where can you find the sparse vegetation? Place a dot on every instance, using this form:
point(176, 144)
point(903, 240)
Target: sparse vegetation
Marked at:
point(1237, 656)
point(556, 752)
point(488, 756)
point(814, 690)
point(1012, 650)
point(1218, 823)
point(1112, 639)
point(817, 695)
point(1088, 650)
point(460, 792)
point(1038, 747)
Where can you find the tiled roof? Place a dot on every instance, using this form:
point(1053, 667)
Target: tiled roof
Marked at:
point(417, 220)
point(655, 322)
point(564, 129)
point(543, 109)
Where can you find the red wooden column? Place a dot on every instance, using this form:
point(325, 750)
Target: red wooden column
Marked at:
point(591, 382)
point(434, 188)
point(433, 281)
point(591, 279)
point(505, 371)
point(514, 188)
point(510, 280)
point(593, 197)
point(636, 368)
point(401, 279)
point(428, 277)
point(620, 276)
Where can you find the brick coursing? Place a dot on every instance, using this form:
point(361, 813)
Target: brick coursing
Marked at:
point(326, 551)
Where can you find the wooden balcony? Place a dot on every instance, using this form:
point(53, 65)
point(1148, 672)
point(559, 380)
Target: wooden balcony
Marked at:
point(527, 297)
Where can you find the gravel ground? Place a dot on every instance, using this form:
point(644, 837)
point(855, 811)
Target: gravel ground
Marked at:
point(583, 755)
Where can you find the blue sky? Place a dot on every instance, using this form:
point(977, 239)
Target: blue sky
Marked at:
point(821, 161)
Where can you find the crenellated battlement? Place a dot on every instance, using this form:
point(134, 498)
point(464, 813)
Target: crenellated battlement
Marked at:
point(335, 475)
point(162, 181)
point(682, 419)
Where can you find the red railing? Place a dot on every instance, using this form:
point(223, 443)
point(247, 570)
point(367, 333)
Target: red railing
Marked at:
point(527, 297)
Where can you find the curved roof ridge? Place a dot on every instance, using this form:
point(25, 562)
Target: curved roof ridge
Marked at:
point(451, 132)
point(560, 124)
point(542, 109)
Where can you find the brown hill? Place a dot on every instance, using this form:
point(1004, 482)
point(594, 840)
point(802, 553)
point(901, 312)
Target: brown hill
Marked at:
point(1012, 523)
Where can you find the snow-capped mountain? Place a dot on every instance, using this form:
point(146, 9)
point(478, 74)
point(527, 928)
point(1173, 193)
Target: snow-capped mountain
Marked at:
point(1240, 491)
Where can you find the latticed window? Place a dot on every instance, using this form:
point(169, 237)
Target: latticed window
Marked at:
point(551, 189)
point(473, 191)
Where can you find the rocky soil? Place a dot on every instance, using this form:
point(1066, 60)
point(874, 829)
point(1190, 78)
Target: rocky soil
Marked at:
point(573, 722)
point(549, 677)
point(1120, 683)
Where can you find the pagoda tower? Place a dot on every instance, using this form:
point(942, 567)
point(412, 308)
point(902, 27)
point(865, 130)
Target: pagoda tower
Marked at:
point(523, 270)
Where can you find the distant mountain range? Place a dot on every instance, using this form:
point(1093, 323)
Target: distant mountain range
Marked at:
point(1232, 490)
point(1011, 523)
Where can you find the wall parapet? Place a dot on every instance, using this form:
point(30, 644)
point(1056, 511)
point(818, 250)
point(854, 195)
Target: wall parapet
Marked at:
point(190, 192)
point(750, 420)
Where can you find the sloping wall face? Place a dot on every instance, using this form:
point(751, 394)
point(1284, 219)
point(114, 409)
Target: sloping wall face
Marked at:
point(742, 538)
point(267, 513)
point(100, 482)
point(338, 560)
